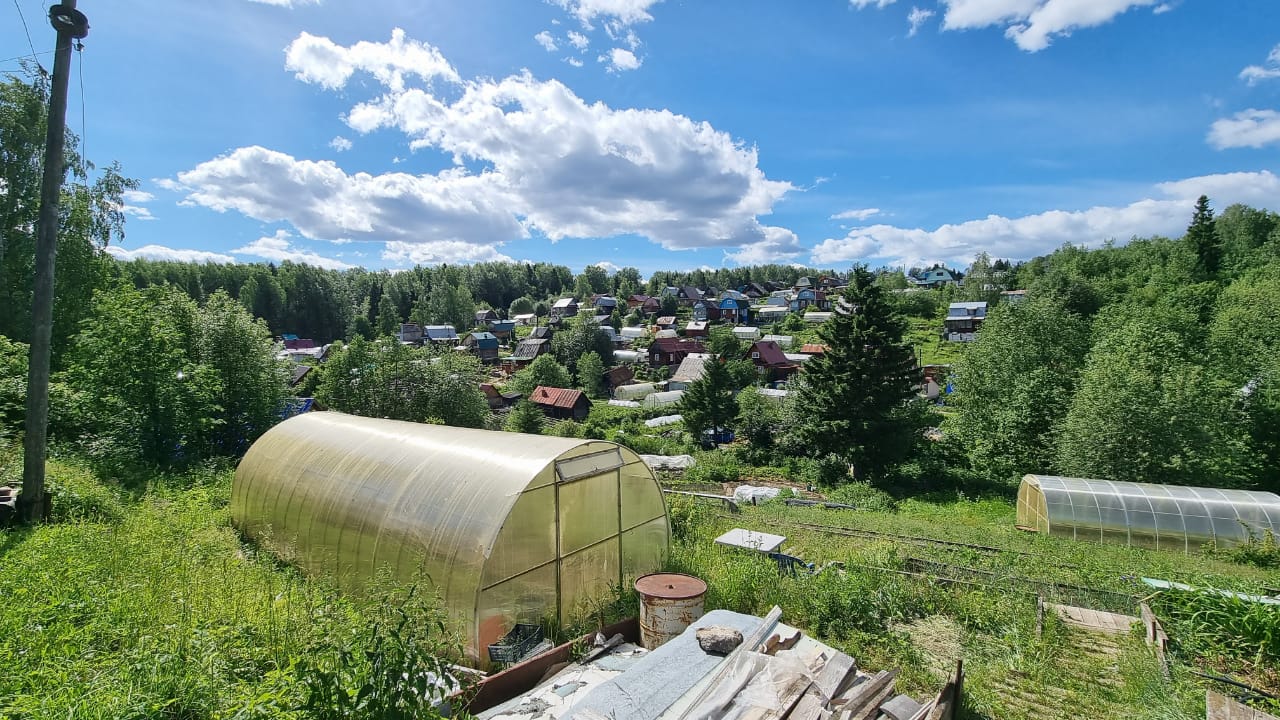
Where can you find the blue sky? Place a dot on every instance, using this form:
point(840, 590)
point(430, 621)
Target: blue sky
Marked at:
point(669, 134)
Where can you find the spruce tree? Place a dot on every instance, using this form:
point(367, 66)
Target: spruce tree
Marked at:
point(709, 402)
point(525, 418)
point(1202, 236)
point(859, 396)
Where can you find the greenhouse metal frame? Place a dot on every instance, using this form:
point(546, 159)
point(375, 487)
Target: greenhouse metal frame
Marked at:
point(1142, 514)
point(507, 527)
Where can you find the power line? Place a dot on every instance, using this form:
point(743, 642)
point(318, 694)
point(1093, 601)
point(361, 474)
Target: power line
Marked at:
point(22, 17)
point(84, 133)
point(27, 55)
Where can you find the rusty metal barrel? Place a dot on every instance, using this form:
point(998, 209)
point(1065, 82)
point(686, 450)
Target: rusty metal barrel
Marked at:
point(669, 603)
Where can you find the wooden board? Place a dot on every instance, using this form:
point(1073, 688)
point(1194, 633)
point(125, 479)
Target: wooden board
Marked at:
point(1095, 620)
point(825, 686)
point(1221, 707)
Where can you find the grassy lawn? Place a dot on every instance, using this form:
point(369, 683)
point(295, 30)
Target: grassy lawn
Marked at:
point(146, 604)
point(885, 610)
point(923, 334)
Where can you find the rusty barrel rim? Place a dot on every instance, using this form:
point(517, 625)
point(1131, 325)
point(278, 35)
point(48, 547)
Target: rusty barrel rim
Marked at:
point(670, 586)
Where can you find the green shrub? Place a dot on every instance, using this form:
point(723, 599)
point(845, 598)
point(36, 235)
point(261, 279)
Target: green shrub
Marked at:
point(713, 467)
point(864, 496)
point(78, 496)
point(1260, 550)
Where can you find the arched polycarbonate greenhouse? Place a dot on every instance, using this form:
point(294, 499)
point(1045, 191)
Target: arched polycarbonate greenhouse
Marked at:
point(1167, 517)
point(509, 527)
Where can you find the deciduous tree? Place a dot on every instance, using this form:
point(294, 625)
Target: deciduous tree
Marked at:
point(544, 371)
point(1014, 386)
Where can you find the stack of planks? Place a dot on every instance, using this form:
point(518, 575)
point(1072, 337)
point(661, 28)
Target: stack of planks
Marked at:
point(773, 675)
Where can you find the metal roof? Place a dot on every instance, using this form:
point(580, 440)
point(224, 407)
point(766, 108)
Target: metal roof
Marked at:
point(691, 369)
point(556, 397)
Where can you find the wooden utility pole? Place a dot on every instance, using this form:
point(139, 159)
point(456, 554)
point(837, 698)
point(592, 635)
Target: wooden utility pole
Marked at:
point(71, 25)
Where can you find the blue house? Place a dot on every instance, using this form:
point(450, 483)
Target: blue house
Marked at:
point(734, 306)
point(483, 344)
point(440, 334)
point(502, 329)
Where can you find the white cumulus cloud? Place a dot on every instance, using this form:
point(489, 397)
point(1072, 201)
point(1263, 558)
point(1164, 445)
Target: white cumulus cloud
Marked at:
point(444, 251)
point(324, 202)
point(320, 60)
point(621, 12)
point(1019, 238)
point(859, 214)
point(621, 60)
point(554, 163)
point(1269, 70)
point(1248, 128)
point(579, 40)
point(573, 61)
point(160, 252)
point(859, 4)
point(340, 144)
point(1033, 24)
point(916, 18)
point(137, 196)
point(547, 42)
point(277, 248)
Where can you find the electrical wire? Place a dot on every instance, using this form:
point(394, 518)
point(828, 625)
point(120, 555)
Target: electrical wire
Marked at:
point(84, 132)
point(25, 29)
point(27, 55)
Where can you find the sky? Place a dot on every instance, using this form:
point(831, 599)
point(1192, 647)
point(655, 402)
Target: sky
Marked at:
point(668, 134)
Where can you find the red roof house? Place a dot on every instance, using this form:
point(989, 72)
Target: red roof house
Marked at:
point(561, 403)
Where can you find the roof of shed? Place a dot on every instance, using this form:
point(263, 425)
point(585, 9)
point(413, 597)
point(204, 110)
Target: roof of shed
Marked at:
point(556, 397)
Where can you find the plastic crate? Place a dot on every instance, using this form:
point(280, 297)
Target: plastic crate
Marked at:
point(516, 644)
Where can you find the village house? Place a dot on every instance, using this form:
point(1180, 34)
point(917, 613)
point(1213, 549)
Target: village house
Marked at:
point(770, 361)
point(497, 399)
point(666, 322)
point(618, 376)
point(483, 345)
point(528, 350)
point(754, 290)
point(441, 334)
point(564, 308)
point(706, 310)
point(963, 321)
point(542, 332)
point(691, 369)
point(502, 329)
point(410, 333)
point(934, 277)
point(484, 317)
point(637, 301)
point(605, 305)
point(666, 352)
point(561, 403)
point(696, 328)
point(688, 295)
point(525, 319)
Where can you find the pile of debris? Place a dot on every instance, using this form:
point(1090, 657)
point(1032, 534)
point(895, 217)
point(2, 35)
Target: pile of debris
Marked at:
point(726, 665)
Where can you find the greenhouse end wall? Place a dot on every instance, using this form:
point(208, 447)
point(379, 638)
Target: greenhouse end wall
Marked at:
point(1142, 514)
point(508, 527)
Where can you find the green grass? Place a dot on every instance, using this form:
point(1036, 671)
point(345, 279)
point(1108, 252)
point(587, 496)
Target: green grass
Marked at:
point(147, 605)
point(887, 618)
point(931, 349)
